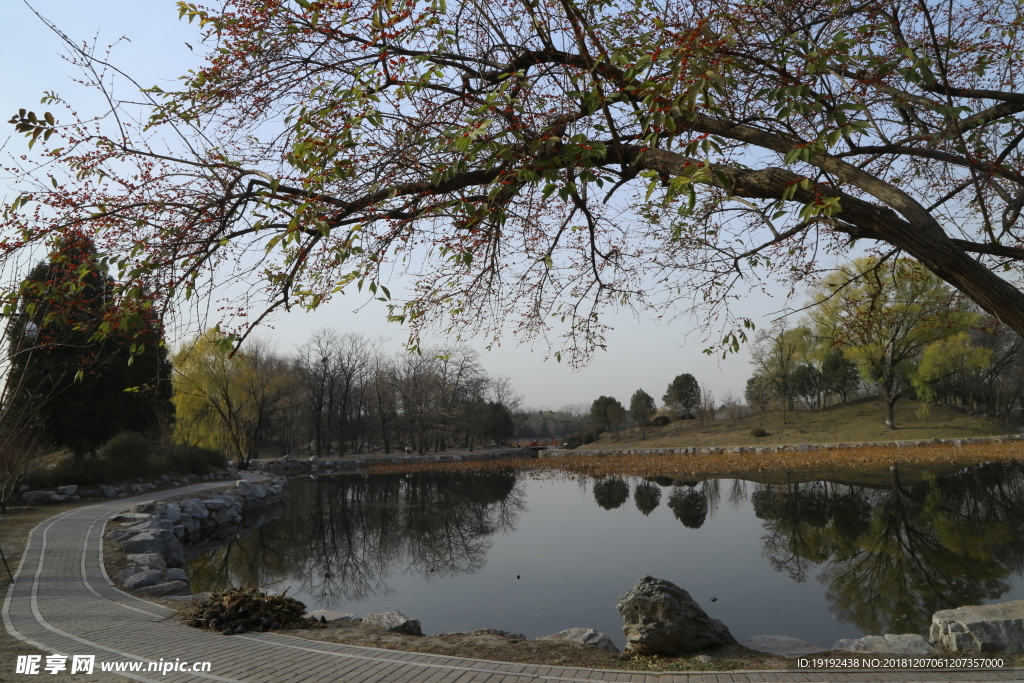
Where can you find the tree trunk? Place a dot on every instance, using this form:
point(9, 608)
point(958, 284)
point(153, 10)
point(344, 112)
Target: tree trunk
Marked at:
point(888, 402)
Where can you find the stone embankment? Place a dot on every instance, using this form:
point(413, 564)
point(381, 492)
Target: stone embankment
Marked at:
point(291, 466)
point(157, 539)
point(62, 494)
point(698, 450)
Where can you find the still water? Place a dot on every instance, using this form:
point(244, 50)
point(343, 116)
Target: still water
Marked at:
point(871, 553)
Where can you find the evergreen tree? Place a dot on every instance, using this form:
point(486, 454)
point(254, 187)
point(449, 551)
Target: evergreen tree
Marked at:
point(641, 407)
point(682, 395)
point(93, 373)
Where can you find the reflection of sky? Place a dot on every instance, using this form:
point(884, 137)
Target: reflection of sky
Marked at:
point(575, 559)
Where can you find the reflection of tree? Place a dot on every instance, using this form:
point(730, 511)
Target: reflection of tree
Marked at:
point(611, 493)
point(893, 555)
point(344, 536)
point(647, 497)
point(690, 507)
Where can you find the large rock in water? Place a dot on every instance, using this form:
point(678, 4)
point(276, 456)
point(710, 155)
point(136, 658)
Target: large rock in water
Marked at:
point(394, 621)
point(981, 628)
point(662, 619)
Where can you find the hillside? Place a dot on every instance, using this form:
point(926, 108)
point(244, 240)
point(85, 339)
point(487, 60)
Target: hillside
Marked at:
point(861, 420)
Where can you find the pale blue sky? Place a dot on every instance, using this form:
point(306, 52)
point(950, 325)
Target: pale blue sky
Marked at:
point(642, 353)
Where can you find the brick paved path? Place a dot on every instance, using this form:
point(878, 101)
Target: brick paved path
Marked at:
point(62, 602)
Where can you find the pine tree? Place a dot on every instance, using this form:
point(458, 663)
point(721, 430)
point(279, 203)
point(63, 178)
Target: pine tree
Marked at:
point(92, 374)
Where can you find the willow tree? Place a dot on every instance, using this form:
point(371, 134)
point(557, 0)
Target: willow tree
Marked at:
point(549, 159)
point(226, 401)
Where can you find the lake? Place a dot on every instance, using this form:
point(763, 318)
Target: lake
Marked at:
point(864, 552)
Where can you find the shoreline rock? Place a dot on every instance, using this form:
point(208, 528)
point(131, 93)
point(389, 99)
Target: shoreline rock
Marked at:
point(395, 622)
point(584, 636)
point(662, 619)
point(157, 535)
point(890, 643)
point(981, 628)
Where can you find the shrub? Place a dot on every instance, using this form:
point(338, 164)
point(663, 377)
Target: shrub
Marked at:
point(588, 436)
point(126, 448)
point(758, 432)
point(129, 454)
point(81, 471)
point(660, 421)
point(573, 441)
point(191, 459)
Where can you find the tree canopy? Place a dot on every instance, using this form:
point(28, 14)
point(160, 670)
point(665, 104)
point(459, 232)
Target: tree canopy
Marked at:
point(87, 371)
point(682, 395)
point(548, 159)
point(885, 315)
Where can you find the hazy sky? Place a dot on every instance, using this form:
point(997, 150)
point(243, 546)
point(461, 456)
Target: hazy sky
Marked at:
point(642, 353)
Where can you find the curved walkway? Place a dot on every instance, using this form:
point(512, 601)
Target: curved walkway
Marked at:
point(63, 602)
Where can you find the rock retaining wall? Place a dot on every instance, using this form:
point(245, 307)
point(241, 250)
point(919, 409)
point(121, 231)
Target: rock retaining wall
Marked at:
point(697, 450)
point(290, 466)
point(158, 539)
point(61, 494)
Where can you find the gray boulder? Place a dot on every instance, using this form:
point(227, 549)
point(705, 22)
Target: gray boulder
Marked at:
point(981, 628)
point(143, 508)
point(148, 560)
point(124, 574)
point(176, 574)
point(108, 491)
point(137, 489)
point(69, 490)
point(143, 543)
point(119, 535)
point(782, 646)
point(890, 643)
point(159, 541)
point(213, 504)
point(660, 618)
point(395, 622)
point(584, 636)
point(146, 577)
point(132, 517)
point(172, 552)
point(166, 588)
point(36, 497)
point(172, 513)
point(194, 508)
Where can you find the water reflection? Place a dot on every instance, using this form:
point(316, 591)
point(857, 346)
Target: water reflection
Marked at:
point(611, 493)
point(887, 553)
point(890, 556)
point(344, 536)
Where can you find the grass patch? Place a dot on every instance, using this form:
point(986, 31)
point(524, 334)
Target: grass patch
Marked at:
point(857, 421)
